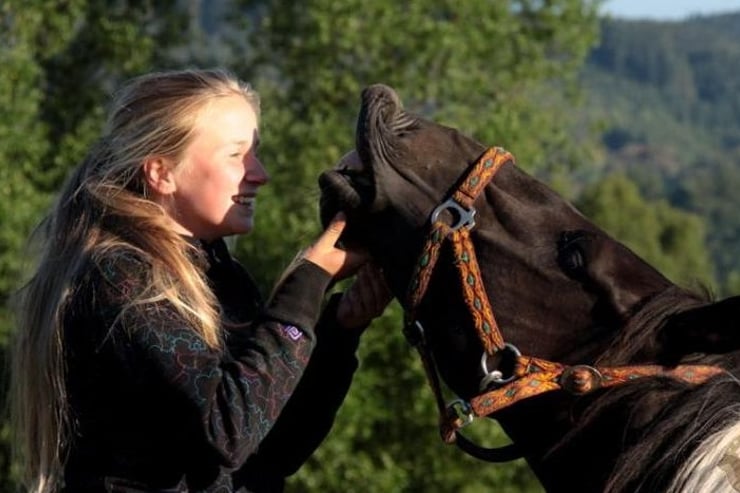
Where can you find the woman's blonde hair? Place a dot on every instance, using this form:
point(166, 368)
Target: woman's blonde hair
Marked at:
point(105, 208)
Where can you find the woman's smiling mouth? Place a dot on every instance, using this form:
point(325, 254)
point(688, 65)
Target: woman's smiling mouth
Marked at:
point(248, 200)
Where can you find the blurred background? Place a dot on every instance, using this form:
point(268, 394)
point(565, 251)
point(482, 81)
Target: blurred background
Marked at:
point(631, 109)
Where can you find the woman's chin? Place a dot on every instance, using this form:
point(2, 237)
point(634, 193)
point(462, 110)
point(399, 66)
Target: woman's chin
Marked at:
point(236, 224)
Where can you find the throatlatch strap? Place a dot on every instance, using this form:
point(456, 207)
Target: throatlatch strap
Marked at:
point(537, 376)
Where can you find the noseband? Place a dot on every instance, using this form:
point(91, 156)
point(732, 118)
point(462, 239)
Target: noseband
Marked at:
point(530, 376)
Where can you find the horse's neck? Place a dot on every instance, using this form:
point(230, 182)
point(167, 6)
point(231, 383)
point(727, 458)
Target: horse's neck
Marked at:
point(637, 435)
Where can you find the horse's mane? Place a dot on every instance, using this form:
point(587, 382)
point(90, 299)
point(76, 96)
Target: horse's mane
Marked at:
point(714, 464)
point(673, 428)
point(664, 447)
point(637, 341)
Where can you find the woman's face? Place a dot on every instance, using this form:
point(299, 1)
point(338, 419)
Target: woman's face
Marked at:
point(217, 180)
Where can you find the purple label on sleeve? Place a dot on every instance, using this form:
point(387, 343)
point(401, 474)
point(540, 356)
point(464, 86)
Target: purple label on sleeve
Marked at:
point(293, 332)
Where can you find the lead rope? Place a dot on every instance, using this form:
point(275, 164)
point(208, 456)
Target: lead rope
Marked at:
point(531, 376)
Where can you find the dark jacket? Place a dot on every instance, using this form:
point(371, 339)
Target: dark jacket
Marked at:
point(156, 410)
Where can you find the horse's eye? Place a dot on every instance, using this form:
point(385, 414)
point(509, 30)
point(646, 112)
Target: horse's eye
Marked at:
point(571, 260)
point(571, 257)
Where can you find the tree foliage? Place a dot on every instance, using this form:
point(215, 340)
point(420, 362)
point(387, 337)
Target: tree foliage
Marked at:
point(668, 98)
point(670, 239)
point(502, 77)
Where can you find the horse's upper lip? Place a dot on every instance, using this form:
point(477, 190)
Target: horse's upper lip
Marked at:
point(351, 163)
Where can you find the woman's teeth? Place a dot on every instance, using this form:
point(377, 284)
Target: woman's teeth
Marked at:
point(243, 199)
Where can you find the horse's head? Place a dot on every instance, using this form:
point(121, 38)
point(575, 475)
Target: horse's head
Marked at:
point(533, 247)
point(560, 288)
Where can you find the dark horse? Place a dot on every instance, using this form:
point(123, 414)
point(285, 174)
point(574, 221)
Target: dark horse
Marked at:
point(561, 290)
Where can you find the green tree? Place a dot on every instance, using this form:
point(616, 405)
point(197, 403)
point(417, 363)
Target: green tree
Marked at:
point(668, 238)
point(501, 71)
point(675, 134)
point(710, 189)
point(732, 285)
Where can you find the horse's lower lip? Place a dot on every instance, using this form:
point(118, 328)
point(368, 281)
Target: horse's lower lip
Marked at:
point(339, 186)
point(338, 193)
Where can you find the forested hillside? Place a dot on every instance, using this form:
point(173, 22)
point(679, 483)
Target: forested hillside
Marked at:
point(667, 97)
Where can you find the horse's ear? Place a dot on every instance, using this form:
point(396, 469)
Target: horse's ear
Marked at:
point(609, 269)
point(712, 328)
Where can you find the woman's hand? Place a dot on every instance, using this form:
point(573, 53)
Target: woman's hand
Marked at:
point(368, 295)
point(325, 253)
point(366, 298)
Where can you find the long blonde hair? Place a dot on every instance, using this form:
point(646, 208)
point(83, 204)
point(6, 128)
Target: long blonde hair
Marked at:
point(105, 208)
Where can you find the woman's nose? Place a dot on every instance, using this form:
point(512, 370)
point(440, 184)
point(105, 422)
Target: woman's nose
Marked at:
point(256, 172)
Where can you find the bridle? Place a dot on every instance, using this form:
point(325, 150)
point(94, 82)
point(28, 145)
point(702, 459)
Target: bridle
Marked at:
point(530, 376)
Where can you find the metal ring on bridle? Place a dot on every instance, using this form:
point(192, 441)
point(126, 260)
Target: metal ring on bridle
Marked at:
point(496, 376)
point(463, 217)
point(462, 410)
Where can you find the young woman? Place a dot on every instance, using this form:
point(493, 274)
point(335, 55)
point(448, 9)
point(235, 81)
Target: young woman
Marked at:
point(145, 358)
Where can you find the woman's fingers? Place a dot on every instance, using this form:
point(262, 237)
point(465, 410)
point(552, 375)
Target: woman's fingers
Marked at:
point(336, 261)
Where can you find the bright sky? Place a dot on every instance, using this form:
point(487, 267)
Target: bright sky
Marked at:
point(667, 9)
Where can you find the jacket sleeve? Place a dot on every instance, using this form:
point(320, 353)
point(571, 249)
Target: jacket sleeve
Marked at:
point(234, 396)
point(311, 410)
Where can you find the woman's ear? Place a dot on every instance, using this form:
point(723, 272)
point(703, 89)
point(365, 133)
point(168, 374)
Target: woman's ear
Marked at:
point(159, 175)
